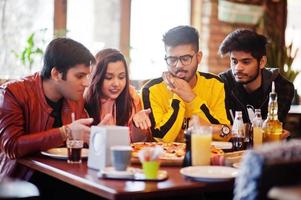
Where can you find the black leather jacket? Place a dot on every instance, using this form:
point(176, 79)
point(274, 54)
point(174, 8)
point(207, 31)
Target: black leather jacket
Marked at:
point(26, 122)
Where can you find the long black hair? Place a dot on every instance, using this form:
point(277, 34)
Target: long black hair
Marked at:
point(124, 102)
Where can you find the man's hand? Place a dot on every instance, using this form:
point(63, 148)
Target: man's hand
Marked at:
point(80, 129)
point(167, 78)
point(141, 119)
point(179, 87)
point(183, 90)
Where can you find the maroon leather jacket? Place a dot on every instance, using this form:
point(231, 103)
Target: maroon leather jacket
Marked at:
point(26, 124)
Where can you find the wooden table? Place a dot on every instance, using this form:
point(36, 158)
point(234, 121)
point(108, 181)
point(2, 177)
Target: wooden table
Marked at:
point(81, 176)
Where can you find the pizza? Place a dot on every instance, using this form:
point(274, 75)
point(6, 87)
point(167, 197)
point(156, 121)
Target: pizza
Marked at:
point(173, 151)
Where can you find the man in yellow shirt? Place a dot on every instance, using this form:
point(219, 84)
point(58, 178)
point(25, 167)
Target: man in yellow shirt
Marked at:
point(183, 91)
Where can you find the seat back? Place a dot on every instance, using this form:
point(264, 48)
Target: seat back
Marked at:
point(17, 189)
point(274, 164)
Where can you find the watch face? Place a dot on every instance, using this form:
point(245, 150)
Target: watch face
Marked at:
point(225, 130)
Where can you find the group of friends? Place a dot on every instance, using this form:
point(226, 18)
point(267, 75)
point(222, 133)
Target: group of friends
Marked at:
point(36, 111)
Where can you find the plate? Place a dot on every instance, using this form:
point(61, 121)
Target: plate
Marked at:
point(222, 145)
point(130, 174)
point(62, 153)
point(209, 173)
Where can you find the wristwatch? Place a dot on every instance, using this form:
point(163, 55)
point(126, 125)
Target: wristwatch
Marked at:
point(225, 130)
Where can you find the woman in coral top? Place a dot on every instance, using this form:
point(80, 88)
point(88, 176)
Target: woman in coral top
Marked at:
point(110, 99)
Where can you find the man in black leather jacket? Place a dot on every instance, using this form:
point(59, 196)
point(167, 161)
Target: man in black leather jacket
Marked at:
point(248, 83)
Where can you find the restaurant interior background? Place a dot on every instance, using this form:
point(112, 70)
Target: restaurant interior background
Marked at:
point(136, 28)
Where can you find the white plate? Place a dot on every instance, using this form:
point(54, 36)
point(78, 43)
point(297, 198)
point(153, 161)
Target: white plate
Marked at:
point(112, 173)
point(222, 145)
point(209, 173)
point(131, 174)
point(62, 153)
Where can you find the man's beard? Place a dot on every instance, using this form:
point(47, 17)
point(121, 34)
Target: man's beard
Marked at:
point(252, 78)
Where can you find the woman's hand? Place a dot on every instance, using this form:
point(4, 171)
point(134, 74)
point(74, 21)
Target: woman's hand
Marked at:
point(141, 119)
point(107, 120)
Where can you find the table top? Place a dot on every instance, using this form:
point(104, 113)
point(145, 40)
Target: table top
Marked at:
point(82, 177)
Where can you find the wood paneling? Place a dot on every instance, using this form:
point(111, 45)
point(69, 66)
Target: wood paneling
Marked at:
point(125, 27)
point(60, 18)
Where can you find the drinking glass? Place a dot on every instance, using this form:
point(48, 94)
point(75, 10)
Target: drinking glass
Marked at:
point(201, 145)
point(74, 150)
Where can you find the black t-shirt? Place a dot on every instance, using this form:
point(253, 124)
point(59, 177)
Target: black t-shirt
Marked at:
point(56, 113)
point(253, 99)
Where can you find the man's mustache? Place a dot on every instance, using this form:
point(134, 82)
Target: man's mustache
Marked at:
point(239, 74)
point(180, 70)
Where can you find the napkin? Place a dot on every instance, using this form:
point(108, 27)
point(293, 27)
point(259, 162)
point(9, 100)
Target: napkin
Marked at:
point(150, 153)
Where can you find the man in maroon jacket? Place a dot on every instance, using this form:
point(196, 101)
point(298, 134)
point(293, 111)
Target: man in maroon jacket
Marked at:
point(35, 112)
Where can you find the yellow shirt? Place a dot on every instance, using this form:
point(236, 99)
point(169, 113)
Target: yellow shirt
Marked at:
point(170, 114)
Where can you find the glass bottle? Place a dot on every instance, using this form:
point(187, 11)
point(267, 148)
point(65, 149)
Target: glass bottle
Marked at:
point(272, 127)
point(238, 132)
point(187, 157)
point(257, 128)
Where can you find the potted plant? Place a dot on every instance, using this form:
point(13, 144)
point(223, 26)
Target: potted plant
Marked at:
point(31, 53)
point(279, 55)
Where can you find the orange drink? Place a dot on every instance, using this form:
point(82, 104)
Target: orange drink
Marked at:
point(257, 136)
point(200, 146)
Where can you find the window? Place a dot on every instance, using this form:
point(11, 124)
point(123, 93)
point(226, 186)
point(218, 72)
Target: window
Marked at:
point(293, 32)
point(94, 23)
point(20, 19)
point(150, 19)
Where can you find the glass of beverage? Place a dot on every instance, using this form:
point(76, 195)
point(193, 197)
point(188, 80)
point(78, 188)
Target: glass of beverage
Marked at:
point(74, 150)
point(201, 145)
point(121, 157)
point(238, 132)
point(248, 136)
point(257, 136)
point(150, 169)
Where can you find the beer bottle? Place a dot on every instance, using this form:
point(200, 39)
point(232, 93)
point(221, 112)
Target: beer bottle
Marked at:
point(272, 127)
point(238, 132)
point(257, 128)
